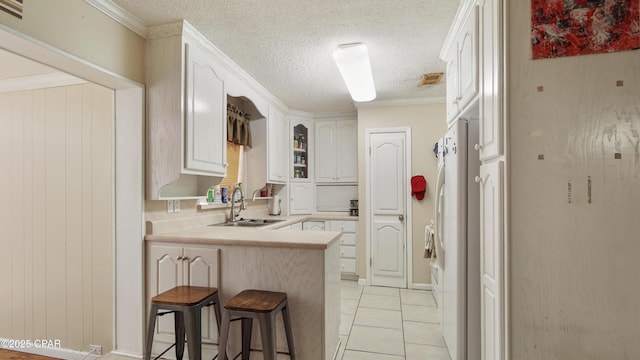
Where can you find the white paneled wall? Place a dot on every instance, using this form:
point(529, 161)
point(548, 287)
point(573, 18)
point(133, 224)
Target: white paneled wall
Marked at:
point(56, 217)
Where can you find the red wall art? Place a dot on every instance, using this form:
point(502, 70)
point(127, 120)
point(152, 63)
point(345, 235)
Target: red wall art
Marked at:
point(580, 27)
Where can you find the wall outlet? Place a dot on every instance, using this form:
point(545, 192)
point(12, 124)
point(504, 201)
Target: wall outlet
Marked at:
point(95, 349)
point(176, 206)
point(169, 206)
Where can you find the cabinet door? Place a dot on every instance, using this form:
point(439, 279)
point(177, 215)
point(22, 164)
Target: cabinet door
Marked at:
point(277, 153)
point(346, 151)
point(313, 226)
point(491, 264)
point(201, 268)
point(325, 159)
point(205, 115)
point(301, 159)
point(164, 272)
point(490, 144)
point(452, 87)
point(302, 198)
point(468, 60)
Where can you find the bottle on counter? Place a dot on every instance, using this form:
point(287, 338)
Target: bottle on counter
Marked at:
point(218, 195)
point(211, 195)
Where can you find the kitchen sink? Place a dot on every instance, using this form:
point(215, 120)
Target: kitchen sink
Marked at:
point(249, 222)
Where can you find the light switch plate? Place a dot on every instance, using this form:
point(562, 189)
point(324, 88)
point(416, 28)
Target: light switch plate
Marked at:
point(169, 206)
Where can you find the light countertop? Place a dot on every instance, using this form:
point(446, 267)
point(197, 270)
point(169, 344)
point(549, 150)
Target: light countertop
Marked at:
point(264, 236)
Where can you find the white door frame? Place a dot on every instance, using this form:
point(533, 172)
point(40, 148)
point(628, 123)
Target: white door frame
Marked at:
point(128, 202)
point(409, 214)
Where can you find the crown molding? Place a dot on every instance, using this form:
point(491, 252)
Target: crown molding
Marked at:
point(39, 81)
point(402, 102)
point(347, 115)
point(120, 15)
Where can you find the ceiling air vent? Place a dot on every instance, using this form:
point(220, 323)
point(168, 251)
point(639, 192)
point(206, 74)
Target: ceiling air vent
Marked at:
point(13, 7)
point(431, 79)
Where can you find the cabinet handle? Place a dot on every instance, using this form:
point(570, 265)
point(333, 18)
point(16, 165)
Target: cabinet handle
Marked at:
point(478, 179)
point(185, 258)
point(478, 147)
point(179, 258)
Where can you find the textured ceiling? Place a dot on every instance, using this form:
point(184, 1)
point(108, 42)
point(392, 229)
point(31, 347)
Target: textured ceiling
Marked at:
point(287, 45)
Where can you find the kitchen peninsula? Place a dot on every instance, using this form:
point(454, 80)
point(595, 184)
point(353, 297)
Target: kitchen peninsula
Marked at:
point(304, 265)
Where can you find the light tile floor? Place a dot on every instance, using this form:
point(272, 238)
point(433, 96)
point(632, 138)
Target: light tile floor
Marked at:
point(380, 323)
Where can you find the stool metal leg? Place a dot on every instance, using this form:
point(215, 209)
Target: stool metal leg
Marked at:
point(288, 331)
point(223, 336)
point(216, 309)
point(193, 326)
point(179, 331)
point(247, 327)
point(151, 328)
point(268, 335)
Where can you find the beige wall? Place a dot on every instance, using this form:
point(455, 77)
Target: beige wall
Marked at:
point(56, 155)
point(81, 30)
point(428, 124)
point(573, 274)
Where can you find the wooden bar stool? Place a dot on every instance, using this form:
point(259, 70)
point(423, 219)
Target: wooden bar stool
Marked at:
point(186, 303)
point(263, 306)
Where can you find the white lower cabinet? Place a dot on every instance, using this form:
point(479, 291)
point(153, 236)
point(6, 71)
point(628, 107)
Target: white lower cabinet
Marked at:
point(169, 266)
point(348, 245)
point(301, 198)
point(313, 226)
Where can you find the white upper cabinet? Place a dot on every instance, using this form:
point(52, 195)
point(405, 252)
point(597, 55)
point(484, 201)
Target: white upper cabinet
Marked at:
point(277, 139)
point(336, 151)
point(490, 145)
point(301, 143)
point(205, 115)
point(347, 151)
point(186, 114)
point(461, 55)
point(452, 86)
point(468, 60)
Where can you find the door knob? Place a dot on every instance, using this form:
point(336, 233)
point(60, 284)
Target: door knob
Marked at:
point(401, 218)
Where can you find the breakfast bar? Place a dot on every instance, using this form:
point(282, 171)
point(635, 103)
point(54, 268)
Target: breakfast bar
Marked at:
point(306, 266)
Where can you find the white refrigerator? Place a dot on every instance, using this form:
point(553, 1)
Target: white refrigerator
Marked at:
point(458, 239)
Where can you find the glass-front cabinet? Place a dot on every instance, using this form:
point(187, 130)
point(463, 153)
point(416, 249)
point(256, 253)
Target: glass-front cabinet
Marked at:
point(302, 194)
point(301, 151)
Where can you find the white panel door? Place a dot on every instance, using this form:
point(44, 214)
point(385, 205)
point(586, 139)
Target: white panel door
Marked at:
point(387, 250)
point(491, 266)
point(301, 198)
point(346, 151)
point(205, 117)
point(387, 181)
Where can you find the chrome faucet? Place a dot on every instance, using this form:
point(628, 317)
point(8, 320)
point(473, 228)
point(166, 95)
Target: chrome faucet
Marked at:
point(237, 189)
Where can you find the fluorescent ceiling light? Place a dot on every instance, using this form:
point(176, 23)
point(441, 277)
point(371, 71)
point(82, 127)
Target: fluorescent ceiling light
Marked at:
point(355, 68)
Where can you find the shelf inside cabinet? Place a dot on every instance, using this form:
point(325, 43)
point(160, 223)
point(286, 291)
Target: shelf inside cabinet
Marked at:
point(299, 150)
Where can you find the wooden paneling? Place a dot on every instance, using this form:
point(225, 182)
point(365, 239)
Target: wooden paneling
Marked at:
point(57, 153)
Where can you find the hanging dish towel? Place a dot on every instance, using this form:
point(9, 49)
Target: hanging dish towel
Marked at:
point(429, 242)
